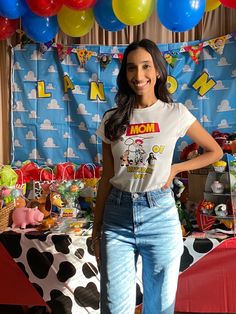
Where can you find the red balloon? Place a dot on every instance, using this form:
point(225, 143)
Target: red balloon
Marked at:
point(229, 3)
point(45, 7)
point(80, 4)
point(7, 27)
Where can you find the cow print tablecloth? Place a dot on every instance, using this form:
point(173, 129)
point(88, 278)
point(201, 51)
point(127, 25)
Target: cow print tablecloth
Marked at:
point(63, 269)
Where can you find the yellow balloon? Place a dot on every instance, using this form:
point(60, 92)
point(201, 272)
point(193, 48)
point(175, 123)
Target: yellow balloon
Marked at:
point(212, 5)
point(75, 23)
point(133, 12)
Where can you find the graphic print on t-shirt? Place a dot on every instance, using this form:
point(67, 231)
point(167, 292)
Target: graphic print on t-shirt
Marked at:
point(142, 128)
point(139, 158)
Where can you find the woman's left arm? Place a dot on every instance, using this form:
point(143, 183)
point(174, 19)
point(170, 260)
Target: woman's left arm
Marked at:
point(212, 152)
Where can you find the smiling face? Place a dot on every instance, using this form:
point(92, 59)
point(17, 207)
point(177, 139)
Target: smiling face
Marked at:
point(142, 75)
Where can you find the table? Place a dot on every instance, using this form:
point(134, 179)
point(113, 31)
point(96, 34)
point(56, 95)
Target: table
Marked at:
point(63, 269)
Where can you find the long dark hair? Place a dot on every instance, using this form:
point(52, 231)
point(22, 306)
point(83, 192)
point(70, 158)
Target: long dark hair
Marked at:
point(125, 98)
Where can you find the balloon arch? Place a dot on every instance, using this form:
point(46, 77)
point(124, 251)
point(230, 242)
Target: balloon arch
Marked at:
point(42, 19)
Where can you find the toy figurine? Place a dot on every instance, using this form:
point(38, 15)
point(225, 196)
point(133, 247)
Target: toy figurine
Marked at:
point(23, 216)
point(45, 206)
point(178, 188)
point(190, 152)
point(217, 187)
point(221, 210)
point(222, 140)
point(232, 142)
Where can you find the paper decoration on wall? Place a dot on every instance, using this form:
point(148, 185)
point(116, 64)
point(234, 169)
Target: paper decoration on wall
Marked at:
point(63, 51)
point(23, 39)
point(83, 56)
point(43, 47)
point(218, 44)
point(118, 56)
point(203, 83)
point(170, 57)
point(104, 60)
point(194, 51)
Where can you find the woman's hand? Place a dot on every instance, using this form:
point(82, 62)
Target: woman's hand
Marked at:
point(96, 242)
point(173, 172)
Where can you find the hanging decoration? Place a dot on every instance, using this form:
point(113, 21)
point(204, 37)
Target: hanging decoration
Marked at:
point(118, 56)
point(104, 60)
point(63, 51)
point(170, 57)
point(23, 38)
point(75, 23)
point(218, 44)
point(7, 27)
point(13, 9)
point(76, 17)
point(180, 16)
point(212, 5)
point(43, 47)
point(194, 51)
point(105, 17)
point(79, 4)
point(40, 29)
point(229, 3)
point(45, 7)
point(83, 56)
point(132, 12)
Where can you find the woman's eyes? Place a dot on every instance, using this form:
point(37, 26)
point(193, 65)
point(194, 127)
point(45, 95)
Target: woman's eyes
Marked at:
point(132, 67)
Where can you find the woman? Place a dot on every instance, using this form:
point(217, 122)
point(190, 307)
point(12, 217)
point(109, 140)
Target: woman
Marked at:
point(135, 209)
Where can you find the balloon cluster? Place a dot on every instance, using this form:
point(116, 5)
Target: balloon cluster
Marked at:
point(41, 19)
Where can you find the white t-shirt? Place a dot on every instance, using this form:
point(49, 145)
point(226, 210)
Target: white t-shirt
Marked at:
point(143, 156)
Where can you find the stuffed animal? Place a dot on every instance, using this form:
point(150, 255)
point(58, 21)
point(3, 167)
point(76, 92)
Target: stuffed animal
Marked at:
point(222, 140)
point(189, 152)
point(20, 201)
point(232, 142)
point(23, 216)
point(45, 206)
point(178, 188)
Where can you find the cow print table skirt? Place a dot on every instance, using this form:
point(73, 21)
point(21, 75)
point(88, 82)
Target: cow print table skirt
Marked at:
point(63, 269)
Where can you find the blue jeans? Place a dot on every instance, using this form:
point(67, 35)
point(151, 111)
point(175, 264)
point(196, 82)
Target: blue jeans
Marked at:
point(145, 224)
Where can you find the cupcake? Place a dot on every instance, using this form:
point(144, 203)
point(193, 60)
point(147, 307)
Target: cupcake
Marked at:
point(219, 166)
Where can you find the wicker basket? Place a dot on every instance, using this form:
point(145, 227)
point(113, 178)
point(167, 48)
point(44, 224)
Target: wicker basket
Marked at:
point(6, 215)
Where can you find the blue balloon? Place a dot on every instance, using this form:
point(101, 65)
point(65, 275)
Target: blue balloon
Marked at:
point(40, 29)
point(180, 16)
point(105, 16)
point(13, 9)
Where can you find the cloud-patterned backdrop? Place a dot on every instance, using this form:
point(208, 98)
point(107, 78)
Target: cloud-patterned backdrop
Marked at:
point(55, 114)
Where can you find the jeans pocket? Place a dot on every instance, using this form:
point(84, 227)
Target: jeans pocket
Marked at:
point(112, 199)
point(111, 208)
point(163, 199)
